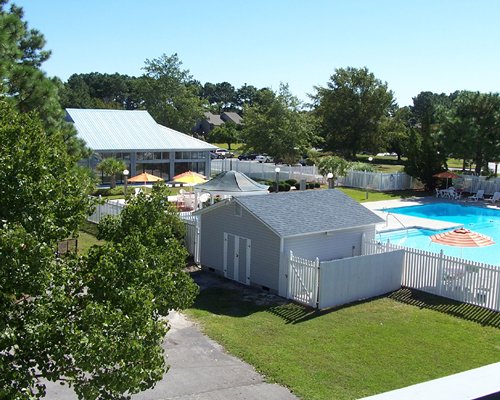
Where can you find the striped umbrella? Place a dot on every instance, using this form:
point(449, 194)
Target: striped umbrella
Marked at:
point(462, 238)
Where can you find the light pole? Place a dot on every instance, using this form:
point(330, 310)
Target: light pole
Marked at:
point(329, 177)
point(125, 174)
point(370, 159)
point(277, 170)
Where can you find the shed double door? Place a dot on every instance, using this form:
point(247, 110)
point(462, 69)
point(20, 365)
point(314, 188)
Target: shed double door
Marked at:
point(237, 251)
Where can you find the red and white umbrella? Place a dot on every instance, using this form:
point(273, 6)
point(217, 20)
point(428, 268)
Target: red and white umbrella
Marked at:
point(462, 238)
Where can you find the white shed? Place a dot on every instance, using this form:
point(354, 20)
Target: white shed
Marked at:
point(248, 239)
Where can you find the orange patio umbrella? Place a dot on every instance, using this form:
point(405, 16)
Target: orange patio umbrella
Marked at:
point(446, 175)
point(144, 178)
point(462, 238)
point(190, 177)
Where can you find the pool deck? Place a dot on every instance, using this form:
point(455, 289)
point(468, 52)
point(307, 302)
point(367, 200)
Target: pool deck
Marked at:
point(399, 221)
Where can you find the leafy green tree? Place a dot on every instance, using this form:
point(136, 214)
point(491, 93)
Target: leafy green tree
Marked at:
point(276, 125)
point(350, 109)
point(169, 95)
point(111, 167)
point(246, 95)
point(226, 133)
point(426, 155)
point(395, 131)
point(95, 322)
point(471, 128)
point(43, 199)
point(335, 165)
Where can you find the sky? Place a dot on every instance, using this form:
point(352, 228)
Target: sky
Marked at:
point(413, 46)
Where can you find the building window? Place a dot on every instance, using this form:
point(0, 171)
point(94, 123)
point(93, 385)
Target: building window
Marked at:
point(237, 210)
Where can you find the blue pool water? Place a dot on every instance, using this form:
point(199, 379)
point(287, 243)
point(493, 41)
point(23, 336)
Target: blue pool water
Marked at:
point(478, 219)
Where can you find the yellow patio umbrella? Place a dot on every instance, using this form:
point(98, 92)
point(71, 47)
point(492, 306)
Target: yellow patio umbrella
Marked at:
point(190, 177)
point(144, 178)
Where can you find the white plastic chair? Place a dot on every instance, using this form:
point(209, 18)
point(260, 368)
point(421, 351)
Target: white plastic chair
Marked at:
point(478, 196)
point(494, 198)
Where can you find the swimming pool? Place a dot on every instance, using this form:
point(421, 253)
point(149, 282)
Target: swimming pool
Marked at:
point(478, 219)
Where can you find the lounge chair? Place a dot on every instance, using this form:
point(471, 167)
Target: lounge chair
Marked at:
point(478, 196)
point(494, 198)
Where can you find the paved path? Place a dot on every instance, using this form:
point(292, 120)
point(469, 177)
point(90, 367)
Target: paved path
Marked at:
point(199, 368)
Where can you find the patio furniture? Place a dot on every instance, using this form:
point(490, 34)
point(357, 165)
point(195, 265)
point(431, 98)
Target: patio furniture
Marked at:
point(494, 198)
point(478, 196)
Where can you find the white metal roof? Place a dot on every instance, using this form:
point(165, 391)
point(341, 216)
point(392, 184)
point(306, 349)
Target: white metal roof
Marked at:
point(123, 130)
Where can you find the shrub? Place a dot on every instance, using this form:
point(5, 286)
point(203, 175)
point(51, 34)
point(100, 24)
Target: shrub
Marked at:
point(291, 182)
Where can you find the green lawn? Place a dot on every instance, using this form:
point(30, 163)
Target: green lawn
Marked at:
point(87, 237)
point(351, 352)
point(360, 194)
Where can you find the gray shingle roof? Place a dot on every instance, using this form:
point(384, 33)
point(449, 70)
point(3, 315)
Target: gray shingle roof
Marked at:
point(232, 116)
point(129, 130)
point(213, 119)
point(301, 212)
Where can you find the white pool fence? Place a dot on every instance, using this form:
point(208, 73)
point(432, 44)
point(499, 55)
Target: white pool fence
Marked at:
point(452, 277)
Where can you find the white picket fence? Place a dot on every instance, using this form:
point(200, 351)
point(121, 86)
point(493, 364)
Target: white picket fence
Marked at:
point(107, 208)
point(331, 283)
point(267, 171)
point(357, 179)
point(303, 275)
point(377, 181)
point(192, 237)
point(455, 278)
point(471, 184)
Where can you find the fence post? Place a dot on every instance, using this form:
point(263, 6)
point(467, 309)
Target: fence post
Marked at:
point(440, 271)
point(317, 294)
point(363, 243)
point(99, 210)
point(289, 276)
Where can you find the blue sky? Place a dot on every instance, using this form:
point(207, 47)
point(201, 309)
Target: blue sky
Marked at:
point(414, 46)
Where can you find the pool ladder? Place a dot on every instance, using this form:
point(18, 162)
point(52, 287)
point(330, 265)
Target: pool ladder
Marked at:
point(397, 219)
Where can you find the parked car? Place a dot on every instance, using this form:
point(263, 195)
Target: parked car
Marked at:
point(221, 153)
point(249, 156)
point(264, 158)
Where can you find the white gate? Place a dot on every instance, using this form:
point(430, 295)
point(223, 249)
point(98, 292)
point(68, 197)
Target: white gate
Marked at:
point(303, 279)
point(192, 238)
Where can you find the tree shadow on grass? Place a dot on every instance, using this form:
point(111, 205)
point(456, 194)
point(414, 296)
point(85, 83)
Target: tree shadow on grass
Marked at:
point(454, 308)
point(225, 297)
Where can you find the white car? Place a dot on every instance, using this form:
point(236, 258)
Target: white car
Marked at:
point(264, 158)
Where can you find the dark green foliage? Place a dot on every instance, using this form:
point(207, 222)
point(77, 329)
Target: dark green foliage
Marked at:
point(291, 182)
point(96, 321)
point(350, 110)
point(276, 125)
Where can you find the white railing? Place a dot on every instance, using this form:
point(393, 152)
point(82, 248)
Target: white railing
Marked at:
point(303, 275)
point(462, 280)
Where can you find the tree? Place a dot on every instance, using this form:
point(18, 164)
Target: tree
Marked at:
point(22, 83)
point(335, 165)
point(350, 109)
point(275, 125)
point(471, 128)
point(97, 321)
point(169, 94)
point(43, 199)
point(426, 156)
point(111, 167)
point(246, 95)
point(226, 133)
point(395, 131)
